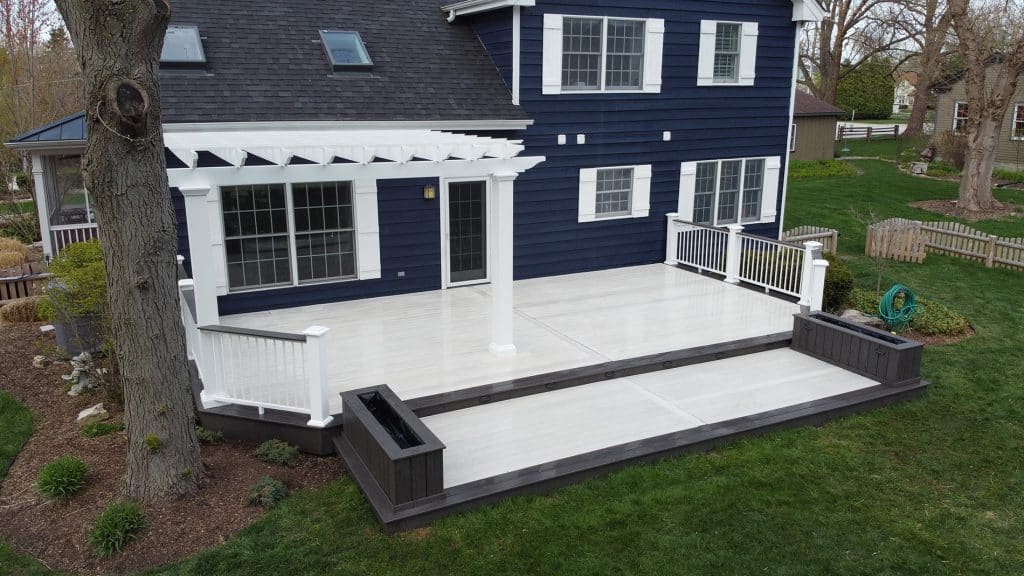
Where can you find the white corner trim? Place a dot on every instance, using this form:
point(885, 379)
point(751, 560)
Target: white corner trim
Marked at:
point(516, 56)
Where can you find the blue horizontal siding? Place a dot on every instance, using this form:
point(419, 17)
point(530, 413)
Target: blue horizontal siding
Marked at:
point(626, 128)
point(181, 227)
point(410, 242)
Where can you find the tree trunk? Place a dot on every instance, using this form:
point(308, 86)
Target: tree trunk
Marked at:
point(118, 46)
point(918, 112)
point(976, 180)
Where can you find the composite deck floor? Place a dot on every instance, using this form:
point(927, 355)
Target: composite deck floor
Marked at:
point(493, 439)
point(432, 342)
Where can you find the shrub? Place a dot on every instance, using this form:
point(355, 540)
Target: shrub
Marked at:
point(940, 168)
point(931, 318)
point(62, 477)
point(803, 169)
point(952, 149)
point(868, 90)
point(209, 436)
point(838, 284)
point(116, 527)
point(24, 227)
point(11, 262)
point(21, 310)
point(277, 452)
point(97, 429)
point(267, 492)
point(1008, 175)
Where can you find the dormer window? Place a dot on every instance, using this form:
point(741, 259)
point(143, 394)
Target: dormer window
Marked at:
point(345, 50)
point(182, 48)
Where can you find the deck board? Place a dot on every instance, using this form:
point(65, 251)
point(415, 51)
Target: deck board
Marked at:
point(494, 439)
point(433, 342)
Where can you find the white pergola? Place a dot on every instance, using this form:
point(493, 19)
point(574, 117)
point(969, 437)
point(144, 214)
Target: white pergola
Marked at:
point(266, 155)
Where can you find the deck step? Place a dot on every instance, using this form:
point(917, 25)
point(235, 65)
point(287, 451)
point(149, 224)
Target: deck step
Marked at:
point(540, 383)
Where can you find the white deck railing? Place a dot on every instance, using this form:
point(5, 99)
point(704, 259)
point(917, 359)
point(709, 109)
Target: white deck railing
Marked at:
point(268, 370)
point(61, 236)
point(776, 266)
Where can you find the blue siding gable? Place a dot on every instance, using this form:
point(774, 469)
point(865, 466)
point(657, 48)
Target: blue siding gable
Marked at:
point(707, 123)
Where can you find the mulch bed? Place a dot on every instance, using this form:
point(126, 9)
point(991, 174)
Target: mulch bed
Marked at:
point(56, 533)
point(950, 208)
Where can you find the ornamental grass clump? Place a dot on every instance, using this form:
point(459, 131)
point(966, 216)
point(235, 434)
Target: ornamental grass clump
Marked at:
point(116, 527)
point(267, 492)
point(63, 477)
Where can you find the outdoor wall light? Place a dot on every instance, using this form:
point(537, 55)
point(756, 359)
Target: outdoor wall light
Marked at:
point(429, 193)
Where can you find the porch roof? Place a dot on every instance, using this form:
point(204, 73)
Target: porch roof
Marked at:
point(204, 157)
point(67, 131)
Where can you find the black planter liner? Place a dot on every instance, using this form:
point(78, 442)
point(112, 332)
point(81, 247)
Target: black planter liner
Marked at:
point(876, 354)
point(403, 457)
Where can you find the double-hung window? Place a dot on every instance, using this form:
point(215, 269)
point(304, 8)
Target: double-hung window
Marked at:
point(599, 54)
point(280, 235)
point(614, 192)
point(959, 117)
point(728, 53)
point(720, 192)
point(1017, 128)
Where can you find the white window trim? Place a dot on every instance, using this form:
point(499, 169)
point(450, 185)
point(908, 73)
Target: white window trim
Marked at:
point(956, 106)
point(1013, 123)
point(366, 237)
point(792, 137)
point(650, 82)
point(640, 198)
point(489, 225)
point(706, 56)
point(769, 189)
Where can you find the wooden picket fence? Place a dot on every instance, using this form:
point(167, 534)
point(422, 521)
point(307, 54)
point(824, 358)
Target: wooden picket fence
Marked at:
point(828, 237)
point(844, 132)
point(909, 240)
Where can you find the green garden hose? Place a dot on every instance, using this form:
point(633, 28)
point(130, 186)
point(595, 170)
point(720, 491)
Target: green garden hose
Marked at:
point(895, 318)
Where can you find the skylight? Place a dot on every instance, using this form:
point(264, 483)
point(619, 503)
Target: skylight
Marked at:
point(345, 50)
point(182, 47)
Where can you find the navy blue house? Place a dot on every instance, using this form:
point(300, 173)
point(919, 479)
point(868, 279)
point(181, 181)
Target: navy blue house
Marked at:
point(321, 151)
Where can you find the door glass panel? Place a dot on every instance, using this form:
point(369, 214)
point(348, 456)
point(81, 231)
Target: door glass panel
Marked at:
point(467, 235)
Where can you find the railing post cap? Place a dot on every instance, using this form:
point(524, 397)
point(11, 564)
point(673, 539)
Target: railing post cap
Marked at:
point(672, 215)
point(812, 244)
point(736, 227)
point(316, 331)
point(821, 263)
point(186, 283)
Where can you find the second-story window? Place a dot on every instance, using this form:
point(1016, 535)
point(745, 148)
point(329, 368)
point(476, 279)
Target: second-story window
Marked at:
point(728, 53)
point(601, 54)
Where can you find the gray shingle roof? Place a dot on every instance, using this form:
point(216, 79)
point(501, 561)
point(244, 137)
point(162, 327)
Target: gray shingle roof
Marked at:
point(265, 63)
point(807, 105)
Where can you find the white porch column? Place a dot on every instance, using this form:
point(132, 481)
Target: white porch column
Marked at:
point(672, 240)
point(502, 314)
point(41, 207)
point(201, 255)
point(733, 254)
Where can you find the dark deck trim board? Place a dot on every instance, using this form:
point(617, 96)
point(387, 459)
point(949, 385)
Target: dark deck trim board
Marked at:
point(545, 477)
point(516, 388)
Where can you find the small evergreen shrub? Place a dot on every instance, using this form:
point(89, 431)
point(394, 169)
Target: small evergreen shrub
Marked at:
point(931, 318)
point(208, 436)
point(116, 527)
point(97, 429)
point(152, 442)
point(267, 492)
point(838, 284)
point(62, 477)
point(277, 452)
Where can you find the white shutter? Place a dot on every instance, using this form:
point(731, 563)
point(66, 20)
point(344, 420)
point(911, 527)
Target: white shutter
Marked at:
point(706, 56)
point(687, 187)
point(551, 75)
point(367, 229)
point(641, 191)
point(653, 42)
point(770, 193)
point(748, 54)
point(588, 194)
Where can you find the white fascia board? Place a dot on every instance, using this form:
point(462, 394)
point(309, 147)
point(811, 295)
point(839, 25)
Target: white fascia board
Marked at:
point(457, 125)
point(54, 146)
point(808, 11)
point(474, 6)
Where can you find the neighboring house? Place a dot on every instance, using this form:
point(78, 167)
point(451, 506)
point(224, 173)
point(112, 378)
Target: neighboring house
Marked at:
point(951, 114)
point(903, 97)
point(814, 128)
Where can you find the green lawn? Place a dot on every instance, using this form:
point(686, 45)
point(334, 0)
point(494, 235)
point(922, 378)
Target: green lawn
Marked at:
point(23, 207)
point(15, 428)
point(930, 487)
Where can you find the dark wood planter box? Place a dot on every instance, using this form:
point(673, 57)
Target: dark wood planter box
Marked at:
point(870, 352)
point(396, 448)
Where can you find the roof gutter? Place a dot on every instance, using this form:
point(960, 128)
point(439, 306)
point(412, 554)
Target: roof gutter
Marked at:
point(465, 7)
